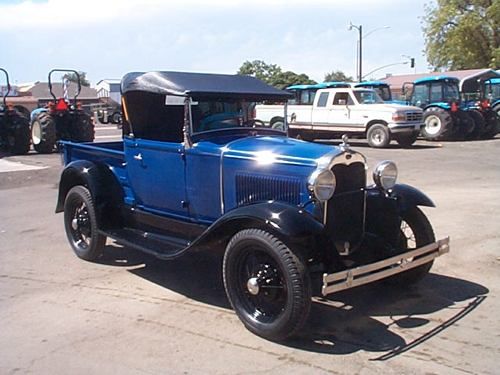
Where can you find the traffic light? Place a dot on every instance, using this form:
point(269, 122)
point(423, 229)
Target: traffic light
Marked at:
point(412, 62)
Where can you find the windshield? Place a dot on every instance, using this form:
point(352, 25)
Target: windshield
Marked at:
point(368, 97)
point(492, 90)
point(210, 115)
point(450, 91)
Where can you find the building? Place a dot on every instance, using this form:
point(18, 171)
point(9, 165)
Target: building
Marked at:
point(109, 88)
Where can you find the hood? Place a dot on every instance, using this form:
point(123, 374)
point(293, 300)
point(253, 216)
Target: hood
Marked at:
point(269, 150)
point(388, 107)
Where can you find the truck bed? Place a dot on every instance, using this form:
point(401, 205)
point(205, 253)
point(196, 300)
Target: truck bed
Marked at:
point(110, 153)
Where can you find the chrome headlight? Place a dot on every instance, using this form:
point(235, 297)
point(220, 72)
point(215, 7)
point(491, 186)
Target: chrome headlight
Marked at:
point(322, 183)
point(385, 174)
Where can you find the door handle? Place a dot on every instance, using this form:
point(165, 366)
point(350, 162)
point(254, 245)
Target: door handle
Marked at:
point(138, 157)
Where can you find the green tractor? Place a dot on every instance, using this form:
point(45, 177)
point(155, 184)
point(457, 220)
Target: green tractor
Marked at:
point(62, 119)
point(14, 126)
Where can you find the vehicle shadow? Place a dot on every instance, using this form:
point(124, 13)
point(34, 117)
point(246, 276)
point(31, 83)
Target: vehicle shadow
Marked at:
point(344, 323)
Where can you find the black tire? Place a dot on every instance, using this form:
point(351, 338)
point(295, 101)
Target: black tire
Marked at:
point(116, 118)
point(492, 126)
point(416, 231)
point(438, 124)
point(82, 128)
point(378, 136)
point(479, 124)
point(406, 140)
point(43, 133)
point(465, 125)
point(19, 137)
point(267, 284)
point(80, 223)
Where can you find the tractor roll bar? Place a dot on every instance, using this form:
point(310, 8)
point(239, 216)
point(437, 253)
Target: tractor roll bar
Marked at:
point(8, 87)
point(64, 71)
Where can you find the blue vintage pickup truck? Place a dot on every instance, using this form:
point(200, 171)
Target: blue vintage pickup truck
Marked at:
point(196, 171)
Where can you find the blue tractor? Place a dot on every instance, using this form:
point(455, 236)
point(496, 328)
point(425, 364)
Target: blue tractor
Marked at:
point(382, 88)
point(14, 125)
point(478, 95)
point(444, 117)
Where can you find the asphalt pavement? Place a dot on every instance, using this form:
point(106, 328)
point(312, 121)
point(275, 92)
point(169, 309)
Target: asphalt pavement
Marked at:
point(133, 314)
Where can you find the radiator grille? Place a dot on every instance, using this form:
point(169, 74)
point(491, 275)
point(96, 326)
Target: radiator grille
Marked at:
point(345, 215)
point(252, 188)
point(414, 116)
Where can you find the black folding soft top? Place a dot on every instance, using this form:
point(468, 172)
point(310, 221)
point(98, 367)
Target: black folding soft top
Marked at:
point(201, 85)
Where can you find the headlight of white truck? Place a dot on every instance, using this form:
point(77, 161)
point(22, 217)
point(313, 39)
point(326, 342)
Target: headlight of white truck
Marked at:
point(385, 174)
point(399, 116)
point(322, 184)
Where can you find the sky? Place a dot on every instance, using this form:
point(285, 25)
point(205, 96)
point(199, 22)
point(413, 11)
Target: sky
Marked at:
point(108, 38)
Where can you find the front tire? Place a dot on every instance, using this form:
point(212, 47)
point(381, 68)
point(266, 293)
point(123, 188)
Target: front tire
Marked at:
point(19, 138)
point(479, 124)
point(80, 222)
point(438, 124)
point(267, 284)
point(378, 136)
point(416, 231)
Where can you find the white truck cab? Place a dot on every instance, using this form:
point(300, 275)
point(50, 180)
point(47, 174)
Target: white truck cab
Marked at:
point(359, 112)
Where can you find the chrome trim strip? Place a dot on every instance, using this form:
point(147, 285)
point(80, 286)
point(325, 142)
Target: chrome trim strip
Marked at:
point(351, 278)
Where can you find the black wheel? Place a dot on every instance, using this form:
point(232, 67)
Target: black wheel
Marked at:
point(277, 123)
point(492, 126)
point(43, 133)
point(18, 138)
point(416, 231)
point(80, 222)
point(465, 125)
point(438, 124)
point(116, 118)
point(479, 124)
point(82, 128)
point(267, 284)
point(406, 140)
point(378, 136)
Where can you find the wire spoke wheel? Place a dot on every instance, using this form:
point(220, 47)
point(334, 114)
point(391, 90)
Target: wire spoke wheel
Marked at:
point(267, 284)
point(80, 221)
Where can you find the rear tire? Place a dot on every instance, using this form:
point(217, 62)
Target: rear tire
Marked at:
point(43, 133)
point(19, 138)
point(438, 124)
point(83, 128)
point(479, 124)
point(80, 222)
point(378, 136)
point(492, 127)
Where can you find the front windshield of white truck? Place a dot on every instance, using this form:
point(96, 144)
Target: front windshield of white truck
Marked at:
point(368, 97)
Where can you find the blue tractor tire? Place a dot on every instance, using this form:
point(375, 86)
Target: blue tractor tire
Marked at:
point(479, 124)
point(492, 127)
point(438, 124)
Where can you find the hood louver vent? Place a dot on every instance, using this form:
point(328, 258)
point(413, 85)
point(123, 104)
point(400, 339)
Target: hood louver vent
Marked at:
point(252, 188)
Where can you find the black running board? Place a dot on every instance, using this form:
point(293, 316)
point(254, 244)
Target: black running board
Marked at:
point(162, 247)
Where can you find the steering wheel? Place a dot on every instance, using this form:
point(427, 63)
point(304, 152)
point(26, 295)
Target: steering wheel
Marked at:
point(255, 123)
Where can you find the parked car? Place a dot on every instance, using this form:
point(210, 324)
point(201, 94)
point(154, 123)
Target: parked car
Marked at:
point(357, 112)
point(196, 170)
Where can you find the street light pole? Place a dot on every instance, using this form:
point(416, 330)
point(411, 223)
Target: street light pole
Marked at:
point(360, 45)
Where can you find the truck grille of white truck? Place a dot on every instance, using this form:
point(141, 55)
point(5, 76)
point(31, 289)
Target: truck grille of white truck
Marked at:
point(414, 116)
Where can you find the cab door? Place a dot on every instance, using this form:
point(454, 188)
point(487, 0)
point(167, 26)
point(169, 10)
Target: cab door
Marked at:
point(156, 171)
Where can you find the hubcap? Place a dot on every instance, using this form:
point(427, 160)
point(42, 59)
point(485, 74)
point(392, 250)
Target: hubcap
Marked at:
point(432, 124)
point(253, 286)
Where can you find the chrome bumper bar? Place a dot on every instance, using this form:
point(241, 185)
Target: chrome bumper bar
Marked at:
point(375, 271)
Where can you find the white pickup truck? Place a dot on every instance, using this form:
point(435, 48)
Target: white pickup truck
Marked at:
point(357, 112)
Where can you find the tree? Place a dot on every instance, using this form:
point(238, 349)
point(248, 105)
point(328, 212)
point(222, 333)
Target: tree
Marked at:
point(273, 75)
point(337, 76)
point(73, 78)
point(462, 34)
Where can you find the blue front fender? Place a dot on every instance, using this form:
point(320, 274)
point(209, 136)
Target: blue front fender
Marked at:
point(408, 197)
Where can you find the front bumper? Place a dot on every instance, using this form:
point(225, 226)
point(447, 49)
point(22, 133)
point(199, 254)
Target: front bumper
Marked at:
point(405, 127)
point(353, 277)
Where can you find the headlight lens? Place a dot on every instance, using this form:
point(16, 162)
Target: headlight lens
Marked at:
point(322, 184)
point(385, 175)
point(399, 116)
